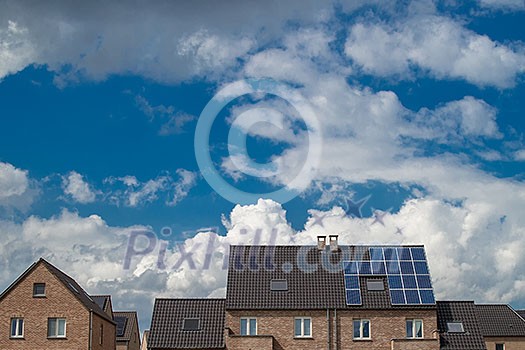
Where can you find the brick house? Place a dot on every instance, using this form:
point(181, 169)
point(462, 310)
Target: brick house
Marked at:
point(46, 309)
point(128, 337)
point(316, 297)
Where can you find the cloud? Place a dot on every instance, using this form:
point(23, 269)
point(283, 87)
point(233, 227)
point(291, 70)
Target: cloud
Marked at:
point(16, 49)
point(136, 193)
point(77, 188)
point(520, 155)
point(516, 5)
point(172, 122)
point(437, 45)
point(17, 190)
point(171, 42)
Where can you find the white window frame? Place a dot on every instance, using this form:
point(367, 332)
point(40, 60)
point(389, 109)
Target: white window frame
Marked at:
point(414, 321)
point(19, 333)
point(302, 335)
point(56, 320)
point(361, 322)
point(248, 320)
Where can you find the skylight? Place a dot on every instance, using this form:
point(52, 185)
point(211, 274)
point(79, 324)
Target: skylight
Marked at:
point(455, 327)
point(375, 285)
point(279, 285)
point(191, 324)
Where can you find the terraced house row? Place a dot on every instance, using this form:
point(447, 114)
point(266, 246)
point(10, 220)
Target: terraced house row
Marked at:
point(331, 297)
point(278, 297)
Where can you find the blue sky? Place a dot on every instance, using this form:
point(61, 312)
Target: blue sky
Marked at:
point(413, 110)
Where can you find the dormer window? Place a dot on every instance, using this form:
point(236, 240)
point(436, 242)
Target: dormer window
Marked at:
point(39, 290)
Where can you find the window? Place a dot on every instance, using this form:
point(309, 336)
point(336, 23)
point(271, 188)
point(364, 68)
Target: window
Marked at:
point(56, 327)
point(361, 329)
point(17, 328)
point(278, 285)
point(248, 326)
point(455, 327)
point(414, 329)
point(375, 285)
point(191, 324)
point(500, 346)
point(39, 289)
point(101, 340)
point(303, 327)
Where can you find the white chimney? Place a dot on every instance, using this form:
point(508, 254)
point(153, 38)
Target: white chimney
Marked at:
point(334, 245)
point(321, 242)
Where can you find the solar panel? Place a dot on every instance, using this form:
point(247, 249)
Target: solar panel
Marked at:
point(406, 270)
point(121, 322)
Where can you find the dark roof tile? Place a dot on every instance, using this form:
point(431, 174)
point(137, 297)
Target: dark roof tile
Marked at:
point(168, 315)
point(464, 312)
point(315, 279)
point(129, 320)
point(500, 321)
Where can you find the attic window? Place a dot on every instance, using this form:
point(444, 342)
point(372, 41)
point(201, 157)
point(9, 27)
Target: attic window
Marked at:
point(375, 285)
point(191, 324)
point(279, 285)
point(455, 327)
point(39, 289)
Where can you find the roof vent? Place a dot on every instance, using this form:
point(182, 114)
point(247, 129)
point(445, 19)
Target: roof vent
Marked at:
point(191, 324)
point(278, 285)
point(321, 242)
point(334, 245)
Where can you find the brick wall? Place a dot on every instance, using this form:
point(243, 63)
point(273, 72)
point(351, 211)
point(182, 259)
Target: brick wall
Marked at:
point(260, 342)
point(511, 343)
point(109, 334)
point(387, 329)
point(385, 326)
point(59, 302)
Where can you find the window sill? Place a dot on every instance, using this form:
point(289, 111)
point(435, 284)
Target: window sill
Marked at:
point(17, 338)
point(305, 338)
point(39, 295)
point(56, 337)
point(420, 338)
point(363, 339)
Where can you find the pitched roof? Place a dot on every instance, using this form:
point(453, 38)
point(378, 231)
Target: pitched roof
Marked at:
point(127, 320)
point(464, 312)
point(315, 279)
point(104, 302)
point(68, 282)
point(500, 321)
point(168, 315)
point(521, 313)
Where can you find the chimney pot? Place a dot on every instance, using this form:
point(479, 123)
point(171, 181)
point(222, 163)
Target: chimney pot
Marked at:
point(334, 244)
point(321, 242)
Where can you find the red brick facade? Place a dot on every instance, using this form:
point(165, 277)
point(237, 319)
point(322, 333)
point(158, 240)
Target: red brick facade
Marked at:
point(331, 330)
point(58, 302)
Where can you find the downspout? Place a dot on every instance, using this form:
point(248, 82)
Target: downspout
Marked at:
point(335, 330)
point(90, 328)
point(328, 335)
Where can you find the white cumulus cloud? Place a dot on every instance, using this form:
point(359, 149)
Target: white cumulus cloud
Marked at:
point(78, 189)
point(436, 44)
